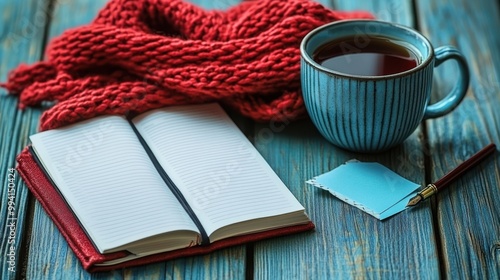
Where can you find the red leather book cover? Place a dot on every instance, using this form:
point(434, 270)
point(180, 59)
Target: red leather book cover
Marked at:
point(55, 206)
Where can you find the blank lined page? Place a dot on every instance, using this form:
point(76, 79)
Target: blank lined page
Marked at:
point(109, 182)
point(220, 173)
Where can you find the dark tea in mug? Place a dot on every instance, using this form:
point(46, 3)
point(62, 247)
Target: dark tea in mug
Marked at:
point(370, 56)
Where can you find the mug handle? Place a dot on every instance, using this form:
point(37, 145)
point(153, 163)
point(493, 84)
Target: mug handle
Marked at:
point(456, 95)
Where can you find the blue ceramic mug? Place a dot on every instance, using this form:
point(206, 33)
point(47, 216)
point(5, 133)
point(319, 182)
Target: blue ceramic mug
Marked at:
point(374, 113)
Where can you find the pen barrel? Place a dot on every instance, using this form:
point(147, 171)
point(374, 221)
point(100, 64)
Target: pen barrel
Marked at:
point(464, 166)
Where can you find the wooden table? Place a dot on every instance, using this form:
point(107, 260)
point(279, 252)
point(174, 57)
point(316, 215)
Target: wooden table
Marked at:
point(455, 235)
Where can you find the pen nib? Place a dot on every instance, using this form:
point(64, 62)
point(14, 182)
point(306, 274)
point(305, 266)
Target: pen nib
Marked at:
point(414, 201)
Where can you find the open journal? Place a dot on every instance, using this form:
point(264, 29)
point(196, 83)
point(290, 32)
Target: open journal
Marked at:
point(172, 178)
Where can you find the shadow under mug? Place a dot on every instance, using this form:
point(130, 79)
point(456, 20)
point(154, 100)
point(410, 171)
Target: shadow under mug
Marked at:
point(374, 113)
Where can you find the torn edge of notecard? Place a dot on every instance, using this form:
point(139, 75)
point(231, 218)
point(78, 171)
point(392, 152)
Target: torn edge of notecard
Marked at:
point(369, 186)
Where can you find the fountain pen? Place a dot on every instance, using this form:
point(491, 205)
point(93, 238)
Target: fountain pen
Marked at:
point(445, 181)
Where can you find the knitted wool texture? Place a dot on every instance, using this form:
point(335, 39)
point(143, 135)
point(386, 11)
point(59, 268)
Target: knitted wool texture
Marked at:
point(144, 54)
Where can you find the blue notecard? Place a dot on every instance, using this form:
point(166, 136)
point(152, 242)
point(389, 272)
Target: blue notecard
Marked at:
point(368, 186)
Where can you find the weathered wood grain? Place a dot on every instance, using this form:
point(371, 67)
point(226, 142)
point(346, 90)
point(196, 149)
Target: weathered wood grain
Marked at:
point(468, 213)
point(21, 35)
point(51, 258)
point(347, 243)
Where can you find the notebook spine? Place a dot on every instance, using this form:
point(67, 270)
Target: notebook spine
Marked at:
point(178, 194)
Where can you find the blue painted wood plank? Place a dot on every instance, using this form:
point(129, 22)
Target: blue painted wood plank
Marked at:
point(390, 10)
point(468, 213)
point(347, 243)
point(21, 36)
point(51, 258)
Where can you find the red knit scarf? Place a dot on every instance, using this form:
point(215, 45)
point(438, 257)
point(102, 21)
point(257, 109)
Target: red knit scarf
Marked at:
point(144, 54)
